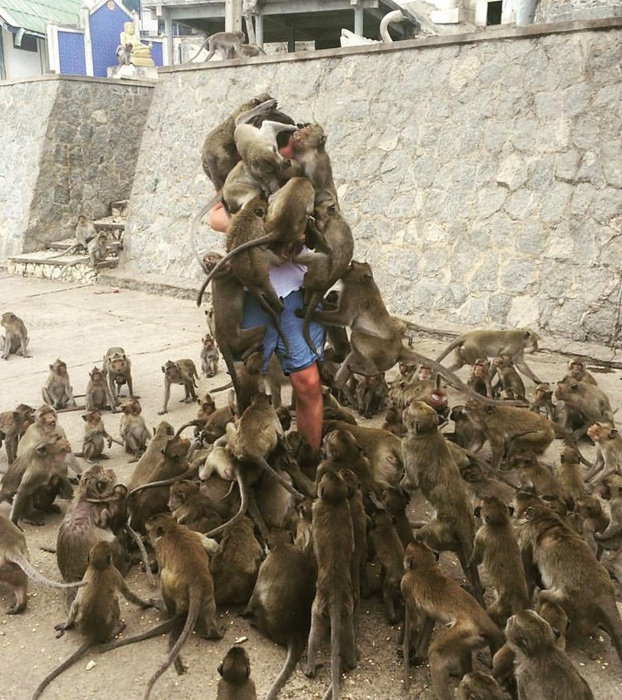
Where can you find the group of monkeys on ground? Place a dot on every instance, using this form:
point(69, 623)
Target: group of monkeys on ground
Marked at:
point(209, 508)
point(209, 537)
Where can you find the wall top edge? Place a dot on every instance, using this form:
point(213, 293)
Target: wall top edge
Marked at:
point(78, 79)
point(530, 31)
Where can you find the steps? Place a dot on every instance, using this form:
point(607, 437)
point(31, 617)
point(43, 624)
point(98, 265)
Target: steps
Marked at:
point(54, 265)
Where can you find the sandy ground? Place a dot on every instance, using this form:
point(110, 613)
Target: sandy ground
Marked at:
point(78, 324)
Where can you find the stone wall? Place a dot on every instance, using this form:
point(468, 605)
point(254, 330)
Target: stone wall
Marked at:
point(68, 145)
point(566, 10)
point(481, 174)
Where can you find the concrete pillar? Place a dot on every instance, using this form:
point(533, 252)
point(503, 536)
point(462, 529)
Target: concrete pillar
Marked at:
point(233, 15)
point(525, 12)
point(358, 20)
point(168, 30)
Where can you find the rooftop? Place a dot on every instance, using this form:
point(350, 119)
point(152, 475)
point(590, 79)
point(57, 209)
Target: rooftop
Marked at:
point(33, 15)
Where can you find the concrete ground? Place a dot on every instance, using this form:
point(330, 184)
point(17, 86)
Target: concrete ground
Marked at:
point(78, 324)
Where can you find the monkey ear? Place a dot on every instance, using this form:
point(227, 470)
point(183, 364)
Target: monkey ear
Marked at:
point(164, 369)
point(85, 417)
point(477, 511)
point(511, 510)
point(527, 334)
point(51, 366)
point(41, 450)
point(613, 433)
point(220, 669)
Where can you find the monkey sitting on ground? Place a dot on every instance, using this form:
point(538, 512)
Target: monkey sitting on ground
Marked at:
point(15, 566)
point(393, 422)
point(611, 490)
point(481, 486)
point(609, 454)
point(429, 466)
point(98, 250)
point(496, 547)
point(15, 335)
point(36, 468)
point(57, 391)
point(509, 428)
point(542, 671)
point(181, 372)
point(134, 432)
point(209, 357)
point(13, 425)
point(543, 402)
point(510, 382)
point(570, 476)
point(98, 394)
point(577, 371)
point(431, 597)
point(479, 686)
point(477, 344)
point(534, 475)
point(192, 508)
point(118, 369)
point(95, 434)
point(481, 378)
point(85, 232)
point(333, 606)
point(584, 405)
point(236, 683)
point(95, 608)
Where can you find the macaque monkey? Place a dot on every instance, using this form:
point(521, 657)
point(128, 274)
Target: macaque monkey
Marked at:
point(324, 269)
point(134, 432)
point(35, 468)
point(98, 394)
point(98, 249)
point(509, 428)
point(575, 579)
point(192, 508)
point(542, 670)
point(207, 406)
point(390, 553)
point(479, 686)
point(15, 566)
point(181, 372)
point(584, 404)
point(228, 44)
point(609, 454)
point(509, 379)
point(370, 395)
point(85, 231)
point(466, 433)
point(480, 486)
point(481, 379)
point(236, 683)
point(15, 335)
point(219, 154)
point(534, 475)
point(476, 344)
point(57, 391)
point(393, 422)
point(333, 606)
point(118, 369)
point(13, 425)
point(543, 402)
point(94, 436)
point(577, 370)
point(610, 489)
point(570, 476)
point(309, 143)
point(429, 466)
point(209, 357)
point(430, 597)
point(496, 547)
point(342, 451)
point(95, 609)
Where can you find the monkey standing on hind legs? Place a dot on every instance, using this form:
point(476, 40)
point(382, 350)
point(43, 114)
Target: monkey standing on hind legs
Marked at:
point(209, 356)
point(95, 608)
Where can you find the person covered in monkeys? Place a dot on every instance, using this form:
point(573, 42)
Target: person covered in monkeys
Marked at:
point(301, 365)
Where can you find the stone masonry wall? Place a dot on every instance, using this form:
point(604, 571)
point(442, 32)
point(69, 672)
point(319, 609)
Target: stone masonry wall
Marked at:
point(565, 10)
point(481, 174)
point(69, 145)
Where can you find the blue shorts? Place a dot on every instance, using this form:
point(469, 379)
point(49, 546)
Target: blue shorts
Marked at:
point(300, 354)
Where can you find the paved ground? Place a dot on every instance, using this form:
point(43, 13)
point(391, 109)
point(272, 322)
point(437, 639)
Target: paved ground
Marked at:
point(78, 324)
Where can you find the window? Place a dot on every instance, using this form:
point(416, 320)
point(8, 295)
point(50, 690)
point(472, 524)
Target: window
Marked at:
point(493, 13)
point(29, 43)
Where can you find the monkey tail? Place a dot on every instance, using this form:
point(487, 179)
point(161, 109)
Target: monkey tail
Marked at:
point(452, 346)
point(335, 645)
point(30, 571)
point(143, 553)
point(76, 656)
point(194, 606)
point(188, 474)
point(261, 461)
point(243, 507)
point(294, 654)
point(156, 631)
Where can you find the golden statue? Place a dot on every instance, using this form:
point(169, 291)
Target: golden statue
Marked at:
point(132, 48)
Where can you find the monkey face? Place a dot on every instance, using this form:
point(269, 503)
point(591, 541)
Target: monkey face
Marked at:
point(59, 367)
point(46, 418)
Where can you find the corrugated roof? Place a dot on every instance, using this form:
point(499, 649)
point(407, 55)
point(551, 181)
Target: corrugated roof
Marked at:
point(33, 15)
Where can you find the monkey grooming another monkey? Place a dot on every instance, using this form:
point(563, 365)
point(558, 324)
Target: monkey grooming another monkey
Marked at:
point(209, 357)
point(182, 372)
point(496, 547)
point(13, 426)
point(510, 428)
point(118, 369)
point(98, 394)
point(430, 467)
point(236, 683)
point(134, 432)
point(57, 391)
point(542, 671)
point(95, 608)
point(333, 606)
point(15, 566)
point(15, 335)
point(430, 597)
point(477, 344)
